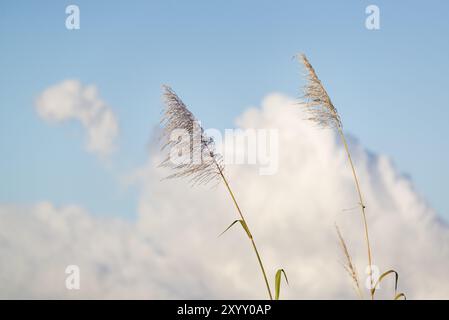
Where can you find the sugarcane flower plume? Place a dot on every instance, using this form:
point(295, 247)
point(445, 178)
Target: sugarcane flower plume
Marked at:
point(318, 105)
point(349, 265)
point(191, 153)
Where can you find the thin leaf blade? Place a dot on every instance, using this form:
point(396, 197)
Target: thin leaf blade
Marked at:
point(277, 282)
point(400, 295)
point(382, 276)
point(242, 223)
point(230, 226)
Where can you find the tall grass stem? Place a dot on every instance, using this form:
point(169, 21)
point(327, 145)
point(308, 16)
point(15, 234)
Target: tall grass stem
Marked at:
point(259, 259)
point(362, 206)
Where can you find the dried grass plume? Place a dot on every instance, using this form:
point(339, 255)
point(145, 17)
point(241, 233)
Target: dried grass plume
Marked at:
point(200, 163)
point(317, 102)
point(349, 266)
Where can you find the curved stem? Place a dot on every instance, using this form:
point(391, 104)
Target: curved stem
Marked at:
point(250, 235)
point(362, 207)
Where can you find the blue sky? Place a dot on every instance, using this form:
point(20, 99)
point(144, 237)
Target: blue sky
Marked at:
point(389, 85)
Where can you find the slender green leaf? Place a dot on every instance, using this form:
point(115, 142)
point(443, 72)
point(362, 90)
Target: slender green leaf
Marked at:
point(277, 281)
point(230, 226)
point(382, 276)
point(399, 296)
point(242, 223)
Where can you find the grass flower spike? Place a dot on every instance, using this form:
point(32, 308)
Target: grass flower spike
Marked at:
point(208, 165)
point(322, 111)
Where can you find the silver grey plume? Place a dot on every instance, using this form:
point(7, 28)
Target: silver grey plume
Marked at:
point(200, 163)
point(317, 102)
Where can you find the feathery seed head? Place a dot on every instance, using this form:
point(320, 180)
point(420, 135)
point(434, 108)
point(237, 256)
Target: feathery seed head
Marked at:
point(317, 102)
point(349, 266)
point(191, 153)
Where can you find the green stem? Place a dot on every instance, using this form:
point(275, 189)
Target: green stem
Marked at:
point(250, 235)
point(362, 206)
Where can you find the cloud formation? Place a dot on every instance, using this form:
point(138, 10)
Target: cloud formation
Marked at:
point(71, 100)
point(172, 251)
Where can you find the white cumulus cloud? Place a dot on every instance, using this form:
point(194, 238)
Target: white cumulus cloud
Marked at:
point(71, 100)
point(172, 251)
